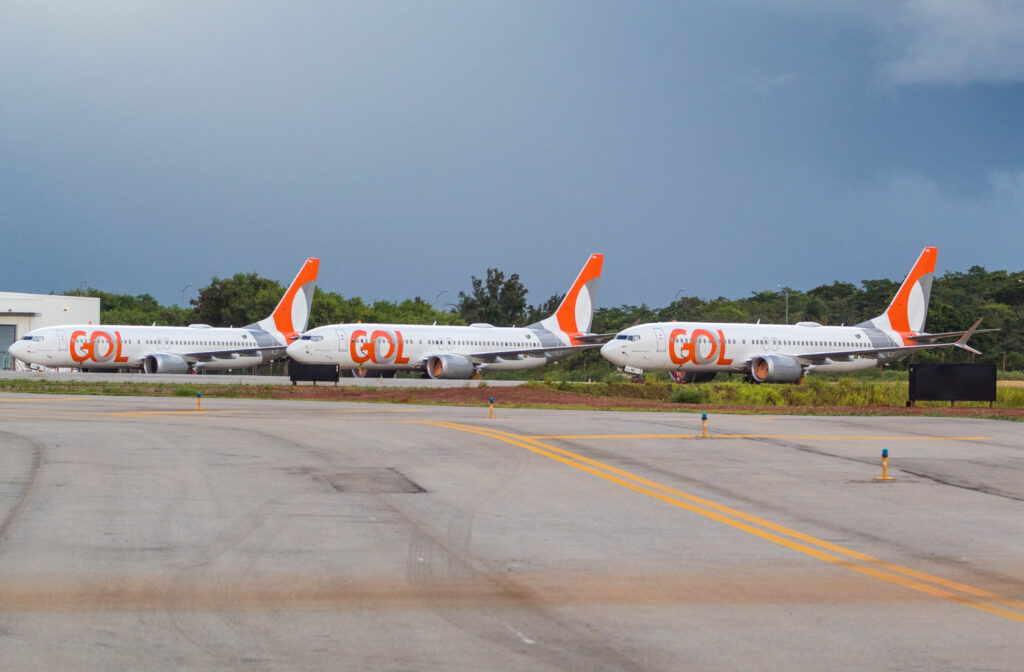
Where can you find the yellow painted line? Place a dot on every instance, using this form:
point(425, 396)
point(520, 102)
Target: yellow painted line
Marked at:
point(15, 401)
point(936, 586)
point(139, 414)
point(360, 410)
point(759, 436)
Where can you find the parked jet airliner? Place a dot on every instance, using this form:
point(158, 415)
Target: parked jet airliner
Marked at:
point(455, 351)
point(174, 349)
point(778, 353)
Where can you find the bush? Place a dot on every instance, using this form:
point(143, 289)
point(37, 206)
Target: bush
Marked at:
point(690, 394)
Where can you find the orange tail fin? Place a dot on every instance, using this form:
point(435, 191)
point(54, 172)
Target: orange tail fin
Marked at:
point(292, 313)
point(909, 308)
point(576, 312)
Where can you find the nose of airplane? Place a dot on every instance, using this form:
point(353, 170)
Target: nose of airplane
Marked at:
point(17, 349)
point(613, 352)
point(297, 350)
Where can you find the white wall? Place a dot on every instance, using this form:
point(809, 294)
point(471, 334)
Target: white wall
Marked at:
point(32, 311)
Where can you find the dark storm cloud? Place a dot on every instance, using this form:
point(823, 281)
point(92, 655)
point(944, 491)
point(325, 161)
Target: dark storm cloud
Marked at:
point(722, 148)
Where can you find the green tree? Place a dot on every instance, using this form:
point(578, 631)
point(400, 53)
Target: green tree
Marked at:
point(814, 310)
point(495, 301)
point(242, 299)
point(539, 312)
point(138, 309)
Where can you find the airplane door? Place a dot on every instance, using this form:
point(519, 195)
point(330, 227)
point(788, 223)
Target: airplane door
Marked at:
point(448, 344)
point(775, 344)
point(659, 335)
point(340, 333)
point(62, 340)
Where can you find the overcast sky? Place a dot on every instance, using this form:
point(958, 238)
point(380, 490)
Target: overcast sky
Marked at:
point(718, 148)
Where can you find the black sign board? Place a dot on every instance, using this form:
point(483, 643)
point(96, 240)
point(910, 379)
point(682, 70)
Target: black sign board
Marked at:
point(952, 382)
point(327, 373)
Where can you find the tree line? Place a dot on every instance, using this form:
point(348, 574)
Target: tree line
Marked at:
point(957, 299)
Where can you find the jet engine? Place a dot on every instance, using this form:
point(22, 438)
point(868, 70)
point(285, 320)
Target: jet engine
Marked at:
point(165, 364)
point(449, 366)
point(775, 369)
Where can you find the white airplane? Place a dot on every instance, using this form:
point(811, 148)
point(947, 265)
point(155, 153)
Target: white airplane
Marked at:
point(782, 353)
point(445, 351)
point(198, 347)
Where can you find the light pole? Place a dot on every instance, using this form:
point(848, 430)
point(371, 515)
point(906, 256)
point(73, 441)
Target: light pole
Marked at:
point(785, 292)
point(676, 298)
point(183, 294)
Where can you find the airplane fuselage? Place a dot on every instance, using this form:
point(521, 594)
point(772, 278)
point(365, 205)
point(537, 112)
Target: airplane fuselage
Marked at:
point(93, 346)
point(406, 347)
point(707, 347)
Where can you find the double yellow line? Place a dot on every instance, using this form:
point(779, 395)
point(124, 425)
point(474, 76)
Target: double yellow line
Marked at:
point(856, 561)
point(795, 437)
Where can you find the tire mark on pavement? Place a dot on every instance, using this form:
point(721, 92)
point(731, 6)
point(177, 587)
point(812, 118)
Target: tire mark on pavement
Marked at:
point(28, 485)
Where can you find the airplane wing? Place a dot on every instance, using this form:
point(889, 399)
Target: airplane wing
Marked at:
point(594, 338)
point(519, 353)
point(882, 353)
point(226, 353)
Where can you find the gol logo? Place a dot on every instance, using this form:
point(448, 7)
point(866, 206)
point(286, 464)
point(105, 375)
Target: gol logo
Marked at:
point(691, 353)
point(363, 349)
point(99, 347)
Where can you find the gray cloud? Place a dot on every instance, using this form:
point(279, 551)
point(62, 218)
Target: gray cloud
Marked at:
point(722, 147)
point(957, 42)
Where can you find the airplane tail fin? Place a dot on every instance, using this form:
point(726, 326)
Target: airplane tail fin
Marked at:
point(576, 312)
point(292, 313)
point(909, 308)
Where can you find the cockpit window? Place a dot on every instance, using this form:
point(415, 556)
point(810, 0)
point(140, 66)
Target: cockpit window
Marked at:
point(627, 337)
point(37, 339)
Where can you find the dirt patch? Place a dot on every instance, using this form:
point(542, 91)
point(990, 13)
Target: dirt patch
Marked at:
point(472, 396)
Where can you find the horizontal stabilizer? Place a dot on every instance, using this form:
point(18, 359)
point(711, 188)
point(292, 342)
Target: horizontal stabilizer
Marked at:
point(962, 341)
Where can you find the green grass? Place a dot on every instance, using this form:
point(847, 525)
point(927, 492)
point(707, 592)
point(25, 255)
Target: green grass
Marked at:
point(134, 389)
point(819, 392)
point(865, 394)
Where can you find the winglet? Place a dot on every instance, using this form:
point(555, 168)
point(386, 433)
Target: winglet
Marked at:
point(962, 341)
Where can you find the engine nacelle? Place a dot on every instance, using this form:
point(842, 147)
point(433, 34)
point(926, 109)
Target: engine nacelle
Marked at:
point(775, 369)
point(449, 366)
point(165, 364)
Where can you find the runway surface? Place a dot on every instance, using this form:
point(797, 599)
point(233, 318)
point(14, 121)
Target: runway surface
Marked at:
point(138, 533)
